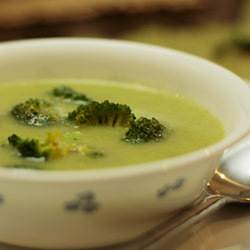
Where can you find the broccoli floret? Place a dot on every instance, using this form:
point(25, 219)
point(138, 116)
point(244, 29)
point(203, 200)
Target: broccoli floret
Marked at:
point(53, 147)
point(144, 130)
point(105, 113)
point(68, 93)
point(28, 147)
point(34, 112)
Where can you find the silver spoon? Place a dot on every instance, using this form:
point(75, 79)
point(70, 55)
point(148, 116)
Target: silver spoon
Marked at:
point(230, 183)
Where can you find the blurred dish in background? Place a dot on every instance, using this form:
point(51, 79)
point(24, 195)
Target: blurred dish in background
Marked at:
point(15, 13)
point(25, 12)
point(216, 30)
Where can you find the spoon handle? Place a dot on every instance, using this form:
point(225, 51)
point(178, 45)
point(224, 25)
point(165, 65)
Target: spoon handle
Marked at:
point(205, 205)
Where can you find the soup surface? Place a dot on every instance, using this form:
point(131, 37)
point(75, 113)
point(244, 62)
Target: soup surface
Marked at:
point(188, 126)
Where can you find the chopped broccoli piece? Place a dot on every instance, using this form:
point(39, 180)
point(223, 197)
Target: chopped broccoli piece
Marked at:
point(14, 140)
point(28, 147)
point(35, 112)
point(105, 113)
point(95, 154)
point(68, 93)
point(144, 130)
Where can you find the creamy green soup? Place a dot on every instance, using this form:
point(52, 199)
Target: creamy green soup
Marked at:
point(188, 126)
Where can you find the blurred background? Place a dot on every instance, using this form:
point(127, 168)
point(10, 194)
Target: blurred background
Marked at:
point(218, 30)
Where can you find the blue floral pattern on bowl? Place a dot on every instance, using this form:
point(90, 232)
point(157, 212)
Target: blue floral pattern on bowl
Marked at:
point(85, 202)
point(162, 192)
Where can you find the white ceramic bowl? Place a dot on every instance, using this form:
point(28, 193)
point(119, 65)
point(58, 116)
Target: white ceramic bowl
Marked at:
point(40, 208)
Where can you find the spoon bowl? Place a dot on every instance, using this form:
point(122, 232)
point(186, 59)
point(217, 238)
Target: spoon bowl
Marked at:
point(232, 178)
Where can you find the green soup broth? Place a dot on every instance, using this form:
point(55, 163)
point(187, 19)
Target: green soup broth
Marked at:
point(189, 126)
